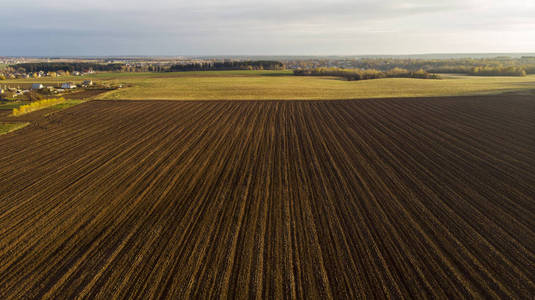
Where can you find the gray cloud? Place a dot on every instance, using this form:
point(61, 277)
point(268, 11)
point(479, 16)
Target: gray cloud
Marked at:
point(164, 27)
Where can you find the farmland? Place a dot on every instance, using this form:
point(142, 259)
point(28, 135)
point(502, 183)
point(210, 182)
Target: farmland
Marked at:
point(282, 85)
point(414, 198)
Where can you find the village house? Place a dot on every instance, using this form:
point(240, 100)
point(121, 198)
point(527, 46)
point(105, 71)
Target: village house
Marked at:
point(37, 86)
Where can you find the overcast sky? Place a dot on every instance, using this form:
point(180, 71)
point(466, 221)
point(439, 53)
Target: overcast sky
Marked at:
point(260, 27)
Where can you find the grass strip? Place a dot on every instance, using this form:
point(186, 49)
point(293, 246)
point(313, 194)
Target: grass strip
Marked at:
point(7, 127)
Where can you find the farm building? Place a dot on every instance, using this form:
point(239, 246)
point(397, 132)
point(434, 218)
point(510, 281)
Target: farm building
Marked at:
point(37, 86)
point(68, 85)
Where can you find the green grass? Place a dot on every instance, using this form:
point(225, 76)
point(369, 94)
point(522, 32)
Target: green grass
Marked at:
point(9, 105)
point(6, 127)
point(64, 105)
point(265, 85)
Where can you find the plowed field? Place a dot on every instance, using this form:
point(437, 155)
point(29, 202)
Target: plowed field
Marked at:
point(413, 198)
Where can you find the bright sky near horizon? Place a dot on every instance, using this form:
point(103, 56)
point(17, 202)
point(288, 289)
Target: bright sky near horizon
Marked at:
point(258, 27)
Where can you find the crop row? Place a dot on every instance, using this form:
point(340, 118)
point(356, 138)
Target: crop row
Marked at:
point(418, 198)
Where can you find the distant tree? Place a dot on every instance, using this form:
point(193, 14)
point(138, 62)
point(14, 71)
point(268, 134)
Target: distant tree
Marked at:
point(227, 65)
point(71, 67)
point(365, 74)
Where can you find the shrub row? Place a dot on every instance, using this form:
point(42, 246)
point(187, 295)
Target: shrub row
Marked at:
point(364, 74)
point(36, 105)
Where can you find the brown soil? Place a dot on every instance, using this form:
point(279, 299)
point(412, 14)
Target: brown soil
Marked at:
point(408, 198)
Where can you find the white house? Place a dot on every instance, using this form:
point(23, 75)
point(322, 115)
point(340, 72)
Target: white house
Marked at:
point(37, 86)
point(68, 85)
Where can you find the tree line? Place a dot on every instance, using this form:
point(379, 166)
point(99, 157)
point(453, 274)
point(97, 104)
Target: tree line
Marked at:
point(228, 65)
point(365, 74)
point(498, 66)
point(67, 66)
point(193, 66)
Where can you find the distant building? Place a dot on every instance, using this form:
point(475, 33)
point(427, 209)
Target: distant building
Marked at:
point(76, 73)
point(37, 86)
point(68, 85)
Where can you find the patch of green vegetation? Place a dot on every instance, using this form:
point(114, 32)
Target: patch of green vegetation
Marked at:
point(67, 104)
point(7, 127)
point(9, 105)
point(64, 105)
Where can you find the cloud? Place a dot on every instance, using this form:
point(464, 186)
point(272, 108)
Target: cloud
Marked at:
point(264, 27)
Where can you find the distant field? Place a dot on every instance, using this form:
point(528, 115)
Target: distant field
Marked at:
point(274, 85)
point(369, 199)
